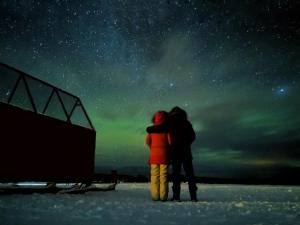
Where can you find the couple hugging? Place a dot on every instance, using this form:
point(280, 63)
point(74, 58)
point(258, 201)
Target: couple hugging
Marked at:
point(169, 139)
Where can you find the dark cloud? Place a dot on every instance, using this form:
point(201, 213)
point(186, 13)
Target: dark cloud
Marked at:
point(248, 129)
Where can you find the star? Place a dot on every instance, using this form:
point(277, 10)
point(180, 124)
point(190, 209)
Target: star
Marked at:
point(280, 90)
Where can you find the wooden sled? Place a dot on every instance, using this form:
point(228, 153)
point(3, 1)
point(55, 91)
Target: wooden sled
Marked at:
point(93, 187)
point(57, 190)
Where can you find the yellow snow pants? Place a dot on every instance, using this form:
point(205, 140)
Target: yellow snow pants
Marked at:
point(159, 182)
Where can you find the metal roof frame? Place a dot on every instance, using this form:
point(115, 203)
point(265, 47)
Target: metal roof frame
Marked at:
point(55, 91)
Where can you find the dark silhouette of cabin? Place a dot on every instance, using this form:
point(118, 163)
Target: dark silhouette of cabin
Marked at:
point(45, 132)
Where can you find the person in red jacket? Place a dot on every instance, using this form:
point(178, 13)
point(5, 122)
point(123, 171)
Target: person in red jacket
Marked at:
point(159, 144)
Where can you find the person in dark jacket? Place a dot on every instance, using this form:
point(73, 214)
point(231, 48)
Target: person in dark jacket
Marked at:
point(182, 136)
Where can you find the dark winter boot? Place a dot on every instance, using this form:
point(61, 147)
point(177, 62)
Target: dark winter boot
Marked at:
point(176, 194)
point(193, 196)
point(175, 199)
point(193, 191)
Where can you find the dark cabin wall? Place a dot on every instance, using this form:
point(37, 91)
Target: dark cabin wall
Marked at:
point(35, 147)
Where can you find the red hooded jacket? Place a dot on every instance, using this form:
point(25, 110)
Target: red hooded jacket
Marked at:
point(159, 142)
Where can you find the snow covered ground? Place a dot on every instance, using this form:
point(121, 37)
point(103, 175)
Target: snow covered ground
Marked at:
point(130, 204)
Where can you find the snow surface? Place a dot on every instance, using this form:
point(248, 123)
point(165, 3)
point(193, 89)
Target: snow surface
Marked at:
point(131, 204)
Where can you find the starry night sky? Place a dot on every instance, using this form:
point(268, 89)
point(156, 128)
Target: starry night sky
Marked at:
point(232, 65)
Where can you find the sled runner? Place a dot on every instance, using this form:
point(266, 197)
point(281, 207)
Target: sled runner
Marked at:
point(76, 189)
point(93, 187)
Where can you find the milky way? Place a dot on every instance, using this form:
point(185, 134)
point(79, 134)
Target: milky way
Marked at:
point(232, 65)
